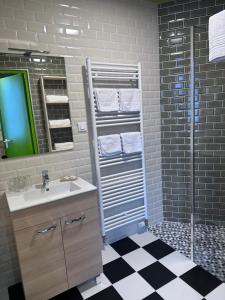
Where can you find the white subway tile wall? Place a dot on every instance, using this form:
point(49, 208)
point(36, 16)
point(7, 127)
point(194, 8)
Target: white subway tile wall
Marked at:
point(123, 31)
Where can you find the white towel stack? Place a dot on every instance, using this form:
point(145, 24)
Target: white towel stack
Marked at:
point(56, 99)
point(217, 37)
point(129, 100)
point(64, 146)
point(59, 123)
point(109, 145)
point(131, 142)
point(107, 100)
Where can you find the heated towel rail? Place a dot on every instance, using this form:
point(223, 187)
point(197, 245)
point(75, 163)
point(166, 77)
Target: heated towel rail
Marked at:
point(120, 179)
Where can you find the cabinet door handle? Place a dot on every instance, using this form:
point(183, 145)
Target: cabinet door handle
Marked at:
point(46, 230)
point(80, 219)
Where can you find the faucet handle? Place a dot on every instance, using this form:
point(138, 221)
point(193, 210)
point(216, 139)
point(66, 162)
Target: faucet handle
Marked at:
point(44, 172)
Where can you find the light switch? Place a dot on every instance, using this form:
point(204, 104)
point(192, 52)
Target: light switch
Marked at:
point(82, 126)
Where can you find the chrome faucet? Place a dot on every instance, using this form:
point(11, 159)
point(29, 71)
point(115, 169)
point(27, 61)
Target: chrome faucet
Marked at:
point(45, 180)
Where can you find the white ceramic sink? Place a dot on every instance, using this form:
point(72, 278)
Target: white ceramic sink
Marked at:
point(55, 189)
point(35, 195)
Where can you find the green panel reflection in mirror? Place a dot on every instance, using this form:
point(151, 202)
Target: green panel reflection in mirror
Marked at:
point(16, 117)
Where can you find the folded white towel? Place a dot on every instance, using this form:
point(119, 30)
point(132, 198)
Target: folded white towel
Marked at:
point(56, 99)
point(131, 142)
point(64, 146)
point(59, 123)
point(129, 100)
point(107, 100)
point(109, 145)
point(217, 37)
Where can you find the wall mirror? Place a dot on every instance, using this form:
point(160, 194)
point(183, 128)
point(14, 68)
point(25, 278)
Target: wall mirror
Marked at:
point(34, 105)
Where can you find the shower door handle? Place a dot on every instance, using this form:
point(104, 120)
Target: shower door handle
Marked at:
point(6, 142)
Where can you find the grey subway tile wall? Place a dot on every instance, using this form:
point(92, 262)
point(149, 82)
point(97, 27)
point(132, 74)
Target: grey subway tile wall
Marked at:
point(175, 19)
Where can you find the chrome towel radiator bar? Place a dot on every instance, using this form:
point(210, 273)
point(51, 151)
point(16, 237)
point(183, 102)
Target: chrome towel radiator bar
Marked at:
point(120, 179)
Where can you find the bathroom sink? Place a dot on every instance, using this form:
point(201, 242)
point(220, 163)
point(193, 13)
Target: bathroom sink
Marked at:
point(35, 195)
point(56, 188)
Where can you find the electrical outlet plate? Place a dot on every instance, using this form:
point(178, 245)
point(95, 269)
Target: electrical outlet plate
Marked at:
point(82, 126)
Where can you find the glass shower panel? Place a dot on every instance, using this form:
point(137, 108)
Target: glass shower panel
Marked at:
point(175, 128)
point(209, 214)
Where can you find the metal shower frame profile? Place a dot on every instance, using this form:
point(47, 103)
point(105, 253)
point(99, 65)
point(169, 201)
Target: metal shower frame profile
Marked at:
point(193, 31)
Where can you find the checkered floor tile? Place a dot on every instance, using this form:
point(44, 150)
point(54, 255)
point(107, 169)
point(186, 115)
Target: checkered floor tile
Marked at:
point(142, 267)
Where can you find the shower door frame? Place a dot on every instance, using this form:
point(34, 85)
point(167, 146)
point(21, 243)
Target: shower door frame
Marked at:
point(192, 135)
point(193, 30)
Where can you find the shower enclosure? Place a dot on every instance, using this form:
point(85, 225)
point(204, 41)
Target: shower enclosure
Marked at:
point(207, 162)
point(193, 146)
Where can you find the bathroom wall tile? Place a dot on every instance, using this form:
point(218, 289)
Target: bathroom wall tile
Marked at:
point(15, 24)
point(207, 3)
point(13, 3)
point(20, 14)
point(27, 36)
point(46, 38)
point(109, 28)
point(7, 34)
point(55, 29)
point(44, 17)
point(35, 27)
point(32, 5)
point(63, 20)
point(6, 12)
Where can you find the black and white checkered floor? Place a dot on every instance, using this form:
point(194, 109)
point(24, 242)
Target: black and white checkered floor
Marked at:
point(142, 267)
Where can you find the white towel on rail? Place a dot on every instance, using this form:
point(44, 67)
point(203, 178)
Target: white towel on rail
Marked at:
point(64, 146)
point(109, 145)
point(59, 123)
point(107, 100)
point(217, 37)
point(56, 99)
point(131, 142)
point(129, 100)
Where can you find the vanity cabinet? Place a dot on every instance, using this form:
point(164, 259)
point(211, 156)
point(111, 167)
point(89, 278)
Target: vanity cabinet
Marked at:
point(82, 251)
point(41, 257)
point(58, 245)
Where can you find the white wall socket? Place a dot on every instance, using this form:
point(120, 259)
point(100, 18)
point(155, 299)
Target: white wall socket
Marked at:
point(82, 126)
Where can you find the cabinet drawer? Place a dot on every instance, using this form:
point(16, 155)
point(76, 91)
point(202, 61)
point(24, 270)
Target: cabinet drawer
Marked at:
point(54, 210)
point(82, 245)
point(41, 259)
